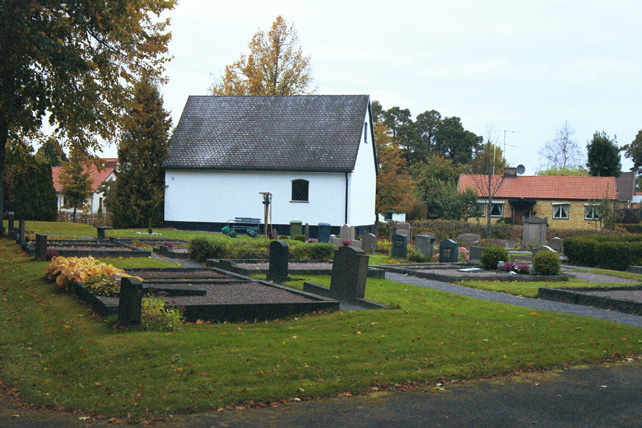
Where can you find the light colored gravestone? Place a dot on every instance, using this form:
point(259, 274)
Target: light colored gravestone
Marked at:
point(557, 244)
point(347, 232)
point(355, 243)
point(401, 228)
point(306, 231)
point(424, 244)
point(335, 241)
point(279, 257)
point(468, 239)
point(534, 232)
point(369, 243)
point(448, 251)
point(475, 254)
point(349, 273)
point(399, 246)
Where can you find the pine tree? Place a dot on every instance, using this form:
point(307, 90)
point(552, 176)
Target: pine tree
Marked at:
point(139, 194)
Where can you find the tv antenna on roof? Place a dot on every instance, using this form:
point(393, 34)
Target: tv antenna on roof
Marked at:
point(505, 131)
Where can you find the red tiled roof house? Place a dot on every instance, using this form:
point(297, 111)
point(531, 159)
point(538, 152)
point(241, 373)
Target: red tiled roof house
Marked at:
point(568, 202)
point(98, 177)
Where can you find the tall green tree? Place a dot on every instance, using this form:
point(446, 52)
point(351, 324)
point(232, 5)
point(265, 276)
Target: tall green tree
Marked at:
point(51, 152)
point(75, 181)
point(454, 142)
point(603, 156)
point(275, 66)
point(138, 198)
point(74, 62)
point(633, 151)
point(28, 182)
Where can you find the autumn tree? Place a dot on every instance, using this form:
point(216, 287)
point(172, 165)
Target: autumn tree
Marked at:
point(603, 156)
point(138, 198)
point(576, 171)
point(75, 181)
point(73, 63)
point(563, 151)
point(395, 185)
point(275, 66)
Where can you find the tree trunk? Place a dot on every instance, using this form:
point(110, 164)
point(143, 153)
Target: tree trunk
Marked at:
point(74, 218)
point(489, 207)
point(4, 135)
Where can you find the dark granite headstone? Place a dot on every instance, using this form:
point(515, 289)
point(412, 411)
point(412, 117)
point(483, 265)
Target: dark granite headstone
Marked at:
point(399, 246)
point(100, 232)
point(20, 237)
point(475, 254)
point(279, 255)
point(424, 243)
point(369, 243)
point(41, 247)
point(296, 228)
point(349, 273)
point(448, 251)
point(324, 232)
point(130, 302)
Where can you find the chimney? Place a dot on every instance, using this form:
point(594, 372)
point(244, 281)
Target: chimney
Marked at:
point(510, 171)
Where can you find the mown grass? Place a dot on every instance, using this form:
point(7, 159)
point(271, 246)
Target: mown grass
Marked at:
point(529, 289)
point(57, 354)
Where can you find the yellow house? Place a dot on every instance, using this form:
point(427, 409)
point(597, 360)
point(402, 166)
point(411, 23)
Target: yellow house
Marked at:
point(568, 202)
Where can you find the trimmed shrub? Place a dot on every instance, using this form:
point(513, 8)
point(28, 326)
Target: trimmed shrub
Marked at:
point(417, 256)
point(617, 255)
point(320, 251)
point(301, 238)
point(546, 263)
point(606, 251)
point(203, 248)
point(492, 255)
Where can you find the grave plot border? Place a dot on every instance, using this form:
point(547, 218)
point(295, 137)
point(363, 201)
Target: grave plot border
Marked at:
point(227, 312)
point(100, 253)
point(503, 277)
point(579, 296)
point(234, 265)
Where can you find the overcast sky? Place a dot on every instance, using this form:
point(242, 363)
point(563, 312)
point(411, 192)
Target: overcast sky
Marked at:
point(520, 66)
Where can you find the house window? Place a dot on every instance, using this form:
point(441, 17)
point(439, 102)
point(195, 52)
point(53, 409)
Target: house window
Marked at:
point(365, 133)
point(561, 211)
point(591, 212)
point(300, 190)
point(497, 210)
point(388, 216)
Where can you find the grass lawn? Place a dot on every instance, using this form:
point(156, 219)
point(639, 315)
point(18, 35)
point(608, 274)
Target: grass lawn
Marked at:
point(55, 353)
point(529, 289)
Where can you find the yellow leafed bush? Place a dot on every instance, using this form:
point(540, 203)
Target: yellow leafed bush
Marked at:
point(66, 270)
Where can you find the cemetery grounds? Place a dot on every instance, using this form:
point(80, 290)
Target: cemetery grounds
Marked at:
point(57, 354)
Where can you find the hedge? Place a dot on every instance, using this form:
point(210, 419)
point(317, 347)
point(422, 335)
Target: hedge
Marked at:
point(604, 251)
point(223, 247)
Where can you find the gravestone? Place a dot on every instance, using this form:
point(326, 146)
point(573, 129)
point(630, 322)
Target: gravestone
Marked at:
point(100, 232)
point(355, 243)
point(279, 256)
point(296, 228)
point(424, 244)
point(401, 228)
point(349, 273)
point(347, 232)
point(534, 234)
point(468, 239)
point(335, 241)
point(41, 247)
point(369, 243)
point(399, 246)
point(20, 237)
point(306, 231)
point(475, 254)
point(556, 244)
point(542, 248)
point(130, 302)
point(324, 232)
point(448, 251)
point(11, 230)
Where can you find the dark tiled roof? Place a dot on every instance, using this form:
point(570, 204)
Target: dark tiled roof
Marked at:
point(269, 133)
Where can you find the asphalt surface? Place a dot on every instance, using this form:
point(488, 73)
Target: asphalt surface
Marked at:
point(607, 395)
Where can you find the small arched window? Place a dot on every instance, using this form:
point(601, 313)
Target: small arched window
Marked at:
point(300, 190)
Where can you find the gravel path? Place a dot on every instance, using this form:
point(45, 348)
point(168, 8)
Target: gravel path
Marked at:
point(542, 305)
